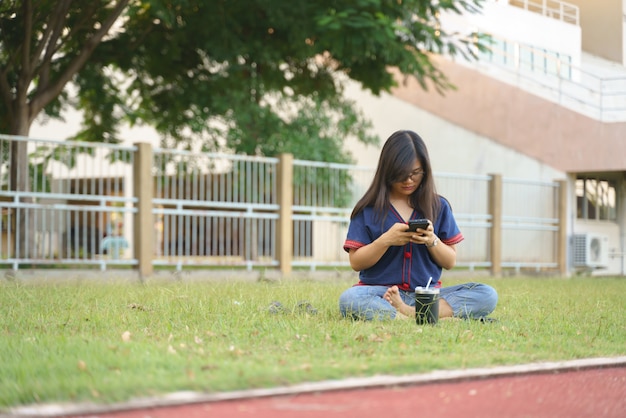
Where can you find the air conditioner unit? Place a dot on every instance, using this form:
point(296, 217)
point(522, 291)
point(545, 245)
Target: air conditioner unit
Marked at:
point(590, 250)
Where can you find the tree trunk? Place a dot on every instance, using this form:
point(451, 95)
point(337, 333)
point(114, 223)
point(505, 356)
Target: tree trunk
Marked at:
point(24, 238)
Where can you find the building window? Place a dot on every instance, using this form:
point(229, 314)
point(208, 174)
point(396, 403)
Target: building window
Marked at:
point(596, 199)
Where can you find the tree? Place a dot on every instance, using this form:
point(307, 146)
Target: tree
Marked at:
point(259, 74)
point(178, 64)
point(43, 45)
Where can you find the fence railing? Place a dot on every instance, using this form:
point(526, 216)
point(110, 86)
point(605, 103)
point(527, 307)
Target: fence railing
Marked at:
point(214, 209)
point(552, 76)
point(555, 9)
point(106, 206)
point(75, 208)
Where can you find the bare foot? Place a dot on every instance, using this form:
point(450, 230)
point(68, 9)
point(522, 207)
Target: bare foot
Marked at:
point(392, 295)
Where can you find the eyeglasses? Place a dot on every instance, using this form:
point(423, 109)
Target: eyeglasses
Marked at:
point(413, 176)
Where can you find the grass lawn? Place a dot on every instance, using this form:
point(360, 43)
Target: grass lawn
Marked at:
point(108, 342)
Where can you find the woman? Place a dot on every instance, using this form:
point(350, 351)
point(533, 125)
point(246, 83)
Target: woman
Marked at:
point(393, 261)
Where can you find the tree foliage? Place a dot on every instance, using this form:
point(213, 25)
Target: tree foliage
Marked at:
point(256, 76)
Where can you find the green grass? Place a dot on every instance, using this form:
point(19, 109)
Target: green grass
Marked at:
point(66, 341)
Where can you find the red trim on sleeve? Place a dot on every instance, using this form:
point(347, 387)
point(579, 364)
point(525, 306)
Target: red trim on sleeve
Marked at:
point(352, 245)
point(454, 240)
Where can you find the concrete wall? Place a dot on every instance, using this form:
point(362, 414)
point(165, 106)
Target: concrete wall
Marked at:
point(452, 148)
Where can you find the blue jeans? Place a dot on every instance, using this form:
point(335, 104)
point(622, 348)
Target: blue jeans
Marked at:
point(468, 300)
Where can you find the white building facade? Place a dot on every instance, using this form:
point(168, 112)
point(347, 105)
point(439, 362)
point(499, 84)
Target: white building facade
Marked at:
point(548, 103)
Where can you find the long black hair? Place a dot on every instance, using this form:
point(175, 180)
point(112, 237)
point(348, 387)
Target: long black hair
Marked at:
point(396, 162)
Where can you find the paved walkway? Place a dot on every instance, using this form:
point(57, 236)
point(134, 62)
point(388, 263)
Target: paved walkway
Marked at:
point(575, 389)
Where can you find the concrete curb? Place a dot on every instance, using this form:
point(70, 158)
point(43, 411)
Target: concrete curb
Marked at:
point(184, 398)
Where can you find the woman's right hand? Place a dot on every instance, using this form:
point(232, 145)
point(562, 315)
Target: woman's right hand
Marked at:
point(398, 234)
point(369, 255)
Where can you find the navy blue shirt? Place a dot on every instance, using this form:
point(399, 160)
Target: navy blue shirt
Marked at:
point(406, 266)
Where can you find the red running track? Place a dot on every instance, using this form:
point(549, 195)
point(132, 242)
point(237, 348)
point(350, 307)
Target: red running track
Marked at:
point(597, 393)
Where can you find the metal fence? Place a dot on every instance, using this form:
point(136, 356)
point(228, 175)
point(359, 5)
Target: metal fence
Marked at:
point(210, 210)
point(74, 209)
point(324, 195)
point(530, 224)
point(469, 198)
point(214, 209)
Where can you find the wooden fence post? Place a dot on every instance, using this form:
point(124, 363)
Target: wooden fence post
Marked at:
point(562, 234)
point(284, 234)
point(143, 190)
point(495, 209)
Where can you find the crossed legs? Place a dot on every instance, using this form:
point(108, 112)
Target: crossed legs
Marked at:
point(392, 295)
point(467, 300)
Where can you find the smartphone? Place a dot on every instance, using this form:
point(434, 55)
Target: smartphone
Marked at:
point(418, 223)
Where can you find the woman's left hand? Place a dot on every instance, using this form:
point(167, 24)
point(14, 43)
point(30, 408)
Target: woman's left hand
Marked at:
point(424, 236)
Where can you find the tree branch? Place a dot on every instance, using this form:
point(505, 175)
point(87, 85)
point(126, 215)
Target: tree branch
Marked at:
point(45, 96)
point(24, 75)
point(53, 31)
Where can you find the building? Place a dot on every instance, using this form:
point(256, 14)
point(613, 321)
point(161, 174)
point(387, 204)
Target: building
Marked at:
point(548, 102)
